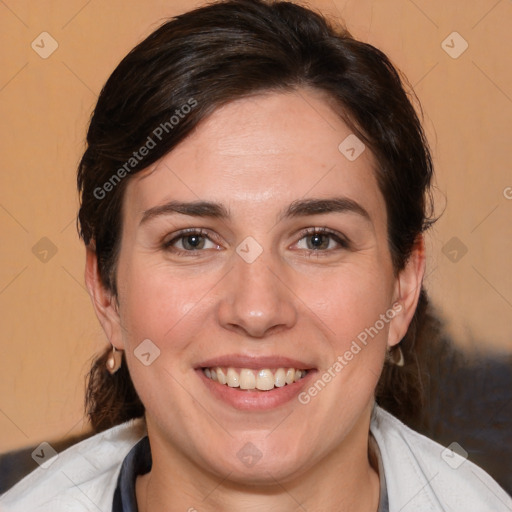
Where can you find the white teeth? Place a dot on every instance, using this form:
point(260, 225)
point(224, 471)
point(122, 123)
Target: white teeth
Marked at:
point(247, 379)
point(263, 380)
point(233, 378)
point(221, 376)
point(280, 378)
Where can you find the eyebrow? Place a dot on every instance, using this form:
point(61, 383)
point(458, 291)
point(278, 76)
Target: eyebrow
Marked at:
point(194, 209)
point(307, 207)
point(299, 208)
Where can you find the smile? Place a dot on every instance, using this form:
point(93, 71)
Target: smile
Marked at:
point(264, 379)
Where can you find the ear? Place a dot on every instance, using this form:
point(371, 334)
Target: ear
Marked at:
point(407, 292)
point(105, 304)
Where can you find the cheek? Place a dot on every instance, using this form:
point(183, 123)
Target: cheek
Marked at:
point(352, 310)
point(349, 302)
point(166, 310)
point(155, 304)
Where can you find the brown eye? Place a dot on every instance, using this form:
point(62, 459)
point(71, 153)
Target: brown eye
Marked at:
point(190, 241)
point(193, 242)
point(318, 241)
point(321, 240)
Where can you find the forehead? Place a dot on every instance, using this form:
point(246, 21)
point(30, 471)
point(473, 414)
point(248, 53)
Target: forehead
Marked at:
point(261, 152)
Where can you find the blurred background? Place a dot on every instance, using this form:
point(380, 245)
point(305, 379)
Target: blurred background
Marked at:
point(57, 54)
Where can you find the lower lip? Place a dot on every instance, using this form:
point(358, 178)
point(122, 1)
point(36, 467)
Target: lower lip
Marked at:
point(255, 400)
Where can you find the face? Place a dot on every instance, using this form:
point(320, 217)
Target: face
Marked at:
point(255, 255)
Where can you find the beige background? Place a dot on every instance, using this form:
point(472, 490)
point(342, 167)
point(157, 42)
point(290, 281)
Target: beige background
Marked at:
point(48, 330)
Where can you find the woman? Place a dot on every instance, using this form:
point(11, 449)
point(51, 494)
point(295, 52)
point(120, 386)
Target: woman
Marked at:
point(253, 198)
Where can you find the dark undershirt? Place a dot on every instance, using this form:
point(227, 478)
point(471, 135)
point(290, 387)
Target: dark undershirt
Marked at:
point(138, 462)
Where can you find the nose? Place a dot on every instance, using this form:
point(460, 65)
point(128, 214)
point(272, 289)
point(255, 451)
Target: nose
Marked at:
point(256, 300)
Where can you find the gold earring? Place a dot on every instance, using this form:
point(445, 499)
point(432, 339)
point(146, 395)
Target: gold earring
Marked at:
point(114, 361)
point(396, 356)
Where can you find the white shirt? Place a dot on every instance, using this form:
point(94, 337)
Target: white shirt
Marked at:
point(421, 475)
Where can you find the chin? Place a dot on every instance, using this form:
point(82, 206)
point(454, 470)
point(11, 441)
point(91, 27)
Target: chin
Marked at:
point(264, 466)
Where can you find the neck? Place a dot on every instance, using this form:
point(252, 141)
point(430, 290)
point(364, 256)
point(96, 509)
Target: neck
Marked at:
point(344, 480)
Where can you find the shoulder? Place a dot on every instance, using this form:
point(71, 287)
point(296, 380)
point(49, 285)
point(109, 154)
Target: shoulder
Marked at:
point(81, 478)
point(424, 475)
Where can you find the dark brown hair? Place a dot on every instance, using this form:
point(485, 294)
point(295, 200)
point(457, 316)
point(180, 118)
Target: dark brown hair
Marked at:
point(210, 56)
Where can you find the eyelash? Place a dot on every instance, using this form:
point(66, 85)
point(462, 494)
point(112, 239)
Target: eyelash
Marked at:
point(167, 245)
point(337, 237)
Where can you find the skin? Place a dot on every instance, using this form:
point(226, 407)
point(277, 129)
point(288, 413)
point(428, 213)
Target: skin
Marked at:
point(256, 156)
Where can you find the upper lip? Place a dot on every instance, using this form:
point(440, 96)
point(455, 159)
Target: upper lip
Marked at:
point(254, 362)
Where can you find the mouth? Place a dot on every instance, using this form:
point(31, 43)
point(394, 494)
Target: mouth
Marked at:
point(254, 383)
point(248, 379)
